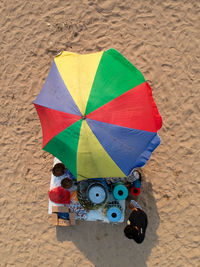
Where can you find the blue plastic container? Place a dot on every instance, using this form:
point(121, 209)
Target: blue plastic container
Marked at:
point(120, 192)
point(63, 215)
point(137, 183)
point(114, 214)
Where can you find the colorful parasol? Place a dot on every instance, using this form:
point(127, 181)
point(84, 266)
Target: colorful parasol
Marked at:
point(98, 115)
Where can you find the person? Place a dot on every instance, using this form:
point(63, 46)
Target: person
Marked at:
point(136, 224)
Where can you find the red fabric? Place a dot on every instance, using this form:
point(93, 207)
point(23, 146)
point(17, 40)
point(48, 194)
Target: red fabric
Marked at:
point(53, 122)
point(59, 195)
point(137, 191)
point(134, 109)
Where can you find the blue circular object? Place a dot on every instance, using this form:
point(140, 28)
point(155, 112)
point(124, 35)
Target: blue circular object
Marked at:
point(137, 184)
point(97, 194)
point(114, 214)
point(120, 192)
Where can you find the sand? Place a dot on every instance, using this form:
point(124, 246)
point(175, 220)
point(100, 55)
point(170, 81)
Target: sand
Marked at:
point(161, 38)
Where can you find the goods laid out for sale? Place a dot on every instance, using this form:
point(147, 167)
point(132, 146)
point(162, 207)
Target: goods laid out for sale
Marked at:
point(94, 199)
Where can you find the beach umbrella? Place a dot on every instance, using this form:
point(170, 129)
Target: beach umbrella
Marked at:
point(98, 115)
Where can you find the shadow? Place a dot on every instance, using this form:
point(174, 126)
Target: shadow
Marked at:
point(105, 244)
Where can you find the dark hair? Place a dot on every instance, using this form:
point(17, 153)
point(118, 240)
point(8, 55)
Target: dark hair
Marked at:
point(132, 233)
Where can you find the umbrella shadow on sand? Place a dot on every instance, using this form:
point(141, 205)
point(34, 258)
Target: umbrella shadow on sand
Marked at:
point(105, 245)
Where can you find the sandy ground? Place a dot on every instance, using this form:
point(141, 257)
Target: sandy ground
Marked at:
point(161, 38)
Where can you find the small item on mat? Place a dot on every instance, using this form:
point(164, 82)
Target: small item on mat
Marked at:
point(58, 169)
point(63, 215)
point(66, 183)
point(137, 184)
point(59, 195)
point(114, 214)
point(134, 175)
point(97, 194)
point(73, 196)
point(114, 211)
point(135, 191)
point(120, 192)
point(92, 193)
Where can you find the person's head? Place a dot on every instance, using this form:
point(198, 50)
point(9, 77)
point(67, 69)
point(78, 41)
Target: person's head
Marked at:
point(132, 232)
